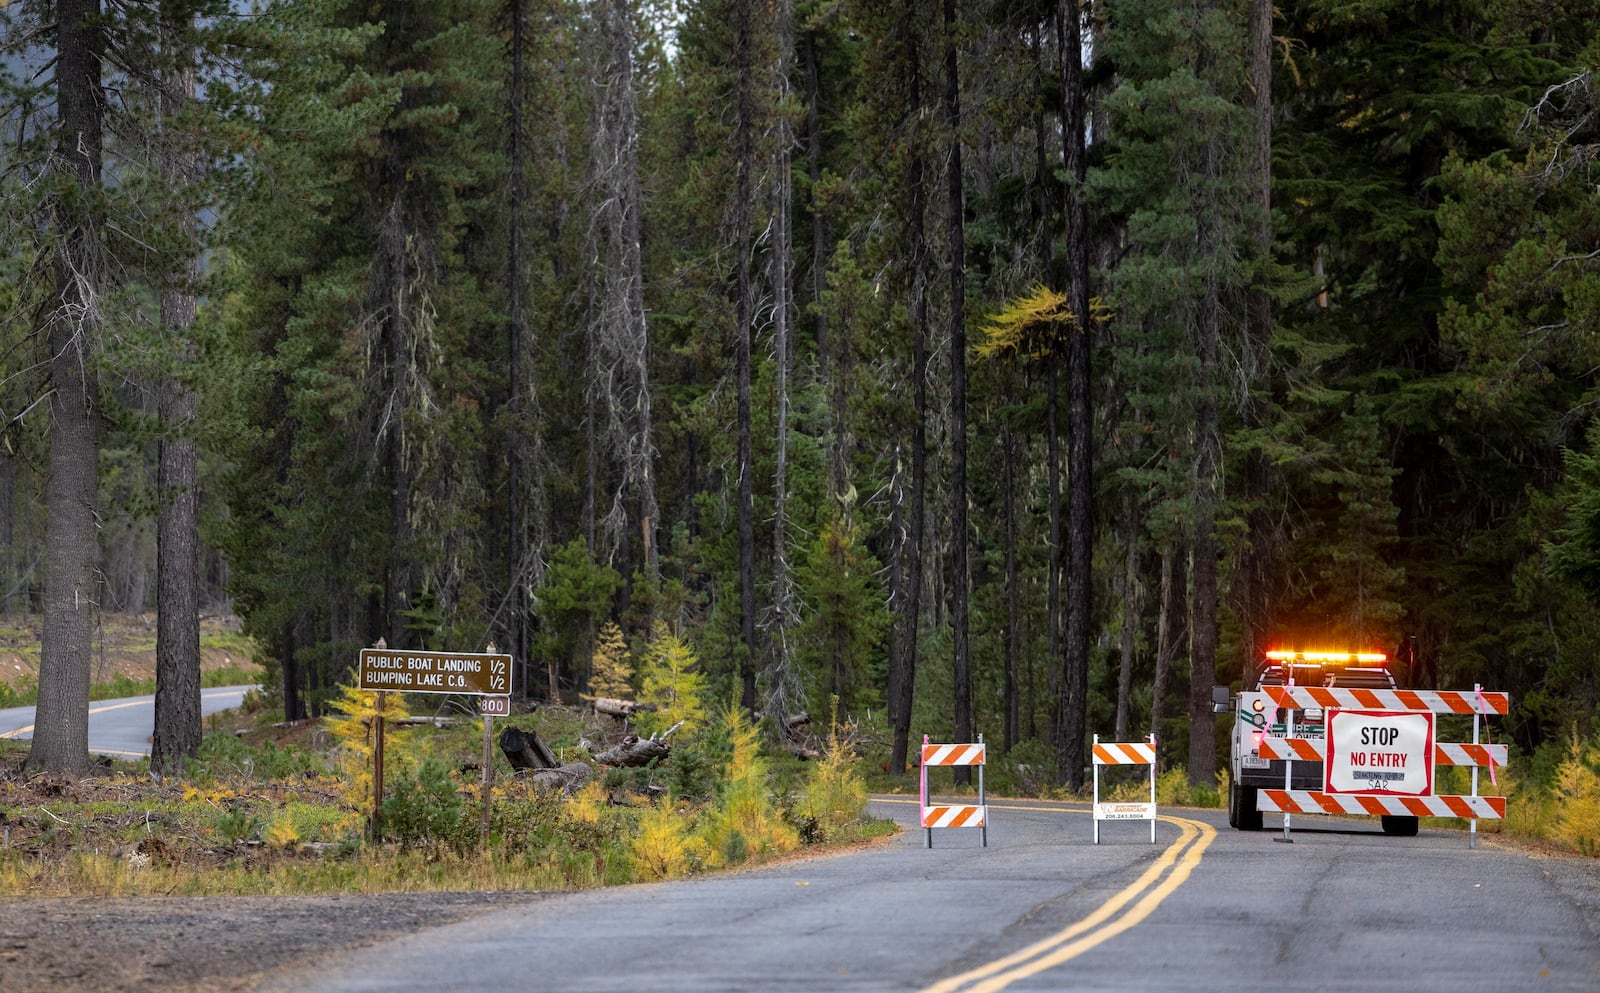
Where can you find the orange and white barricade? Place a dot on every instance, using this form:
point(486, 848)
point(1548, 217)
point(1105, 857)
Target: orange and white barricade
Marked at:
point(954, 815)
point(1385, 793)
point(1125, 753)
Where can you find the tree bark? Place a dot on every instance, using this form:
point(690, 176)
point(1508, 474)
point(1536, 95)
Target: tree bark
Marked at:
point(177, 704)
point(960, 580)
point(525, 750)
point(1080, 485)
point(1205, 498)
point(784, 691)
point(634, 751)
point(517, 623)
point(1170, 632)
point(1261, 549)
point(1013, 649)
point(744, 331)
point(1131, 609)
point(902, 677)
point(61, 734)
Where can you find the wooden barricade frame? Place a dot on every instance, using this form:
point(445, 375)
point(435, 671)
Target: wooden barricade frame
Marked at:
point(1125, 753)
point(954, 815)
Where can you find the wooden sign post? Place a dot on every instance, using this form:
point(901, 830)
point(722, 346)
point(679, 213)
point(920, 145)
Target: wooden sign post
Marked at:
point(485, 675)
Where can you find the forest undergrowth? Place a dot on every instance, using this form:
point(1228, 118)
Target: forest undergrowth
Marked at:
point(255, 817)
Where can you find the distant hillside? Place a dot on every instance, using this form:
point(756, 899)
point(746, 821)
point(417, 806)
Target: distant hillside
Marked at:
point(125, 645)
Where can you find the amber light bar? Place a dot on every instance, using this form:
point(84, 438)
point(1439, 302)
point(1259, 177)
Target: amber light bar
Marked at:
point(1358, 657)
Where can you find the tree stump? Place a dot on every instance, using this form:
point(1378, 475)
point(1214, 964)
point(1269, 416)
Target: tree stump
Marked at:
point(524, 750)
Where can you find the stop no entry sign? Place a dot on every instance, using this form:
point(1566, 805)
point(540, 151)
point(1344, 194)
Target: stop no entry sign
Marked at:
point(1379, 753)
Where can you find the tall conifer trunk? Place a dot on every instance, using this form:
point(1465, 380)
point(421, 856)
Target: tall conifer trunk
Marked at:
point(903, 657)
point(177, 704)
point(1205, 497)
point(61, 735)
point(516, 333)
point(784, 692)
point(960, 580)
point(1256, 569)
point(744, 331)
point(1013, 643)
point(1080, 509)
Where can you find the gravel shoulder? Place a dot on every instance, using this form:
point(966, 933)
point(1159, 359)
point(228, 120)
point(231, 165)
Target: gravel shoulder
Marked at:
point(205, 944)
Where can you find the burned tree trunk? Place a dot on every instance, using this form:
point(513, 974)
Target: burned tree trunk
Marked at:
point(524, 750)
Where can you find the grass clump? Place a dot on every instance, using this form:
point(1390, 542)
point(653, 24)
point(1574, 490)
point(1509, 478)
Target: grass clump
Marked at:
point(834, 797)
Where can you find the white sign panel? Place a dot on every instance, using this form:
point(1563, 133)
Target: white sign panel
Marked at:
point(1124, 811)
point(1379, 753)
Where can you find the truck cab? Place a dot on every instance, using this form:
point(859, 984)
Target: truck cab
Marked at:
point(1256, 714)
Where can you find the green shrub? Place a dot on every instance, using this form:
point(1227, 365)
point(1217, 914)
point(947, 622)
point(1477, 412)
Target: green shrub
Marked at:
point(224, 755)
point(238, 824)
point(423, 806)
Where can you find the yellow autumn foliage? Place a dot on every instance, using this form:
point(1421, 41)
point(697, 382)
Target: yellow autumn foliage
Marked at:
point(1034, 326)
point(744, 822)
point(355, 734)
point(1578, 793)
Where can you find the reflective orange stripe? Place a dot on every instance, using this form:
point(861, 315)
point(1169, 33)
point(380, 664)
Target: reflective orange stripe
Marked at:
point(1317, 802)
point(953, 754)
point(1124, 753)
point(954, 815)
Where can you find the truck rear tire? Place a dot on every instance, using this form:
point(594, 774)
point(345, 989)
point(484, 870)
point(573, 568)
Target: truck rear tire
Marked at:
point(1242, 812)
point(1399, 826)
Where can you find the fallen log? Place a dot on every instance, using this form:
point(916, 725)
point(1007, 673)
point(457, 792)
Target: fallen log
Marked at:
point(634, 751)
point(524, 750)
point(802, 751)
point(622, 709)
point(567, 778)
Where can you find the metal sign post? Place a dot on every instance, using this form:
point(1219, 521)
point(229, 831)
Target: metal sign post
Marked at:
point(1288, 767)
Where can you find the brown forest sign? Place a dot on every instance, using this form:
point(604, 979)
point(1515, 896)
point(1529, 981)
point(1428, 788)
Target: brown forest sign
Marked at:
point(434, 672)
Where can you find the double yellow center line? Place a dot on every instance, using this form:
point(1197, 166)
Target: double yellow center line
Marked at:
point(1121, 912)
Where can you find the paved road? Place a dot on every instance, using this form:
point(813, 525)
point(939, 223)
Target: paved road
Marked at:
point(122, 727)
point(1343, 908)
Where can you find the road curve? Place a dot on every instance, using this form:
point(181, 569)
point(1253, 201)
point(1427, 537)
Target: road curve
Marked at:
point(122, 727)
point(1042, 908)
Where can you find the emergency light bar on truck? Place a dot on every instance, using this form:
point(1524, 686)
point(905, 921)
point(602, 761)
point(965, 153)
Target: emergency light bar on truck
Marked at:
point(1326, 658)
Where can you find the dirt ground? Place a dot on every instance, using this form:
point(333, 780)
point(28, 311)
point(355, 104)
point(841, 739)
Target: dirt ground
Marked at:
point(204, 944)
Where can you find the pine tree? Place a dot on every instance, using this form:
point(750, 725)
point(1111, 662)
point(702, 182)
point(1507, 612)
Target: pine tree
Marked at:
point(672, 681)
point(610, 668)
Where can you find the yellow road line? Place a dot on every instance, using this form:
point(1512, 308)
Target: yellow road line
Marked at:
point(1145, 894)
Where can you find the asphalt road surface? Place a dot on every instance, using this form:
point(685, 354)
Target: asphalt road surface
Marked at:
point(122, 727)
point(1205, 908)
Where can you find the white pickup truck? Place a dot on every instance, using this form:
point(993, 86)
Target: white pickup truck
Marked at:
point(1257, 714)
